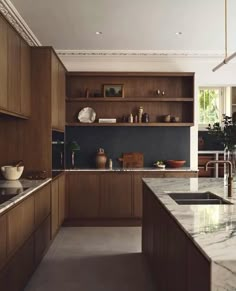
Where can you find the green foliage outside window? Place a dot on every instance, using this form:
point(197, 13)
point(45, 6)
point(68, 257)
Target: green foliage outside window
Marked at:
point(209, 103)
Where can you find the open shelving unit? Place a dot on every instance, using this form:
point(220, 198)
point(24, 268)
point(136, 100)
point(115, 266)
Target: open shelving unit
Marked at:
point(139, 90)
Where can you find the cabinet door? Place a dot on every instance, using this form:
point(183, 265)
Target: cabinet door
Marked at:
point(137, 194)
point(25, 79)
point(20, 268)
point(54, 84)
point(84, 195)
point(42, 239)
point(13, 60)
point(54, 206)
point(20, 224)
point(62, 199)
point(61, 97)
point(116, 192)
point(3, 240)
point(3, 64)
point(42, 204)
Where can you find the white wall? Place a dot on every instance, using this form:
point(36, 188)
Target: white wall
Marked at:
point(202, 66)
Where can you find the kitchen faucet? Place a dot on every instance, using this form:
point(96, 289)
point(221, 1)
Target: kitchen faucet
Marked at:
point(230, 176)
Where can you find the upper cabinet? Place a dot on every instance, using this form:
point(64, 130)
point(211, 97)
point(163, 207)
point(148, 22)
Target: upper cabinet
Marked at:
point(58, 93)
point(15, 72)
point(3, 64)
point(167, 98)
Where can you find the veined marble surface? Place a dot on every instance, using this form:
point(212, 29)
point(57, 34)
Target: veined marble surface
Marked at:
point(211, 227)
point(32, 186)
point(182, 169)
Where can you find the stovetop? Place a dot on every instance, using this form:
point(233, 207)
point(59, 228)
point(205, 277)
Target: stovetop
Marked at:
point(7, 193)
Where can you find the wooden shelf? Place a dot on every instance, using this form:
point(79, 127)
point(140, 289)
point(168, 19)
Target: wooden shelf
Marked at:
point(174, 124)
point(133, 99)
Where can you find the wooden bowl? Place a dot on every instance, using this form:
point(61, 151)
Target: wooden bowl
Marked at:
point(175, 163)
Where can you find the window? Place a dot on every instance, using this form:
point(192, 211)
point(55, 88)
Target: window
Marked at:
point(211, 105)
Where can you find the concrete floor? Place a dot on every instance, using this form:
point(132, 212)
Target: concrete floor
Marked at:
point(93, 259)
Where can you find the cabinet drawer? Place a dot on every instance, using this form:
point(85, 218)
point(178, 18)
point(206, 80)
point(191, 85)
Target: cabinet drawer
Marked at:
point(20, 224)
point(203, 159)
point(42, 239)
point(42, 204)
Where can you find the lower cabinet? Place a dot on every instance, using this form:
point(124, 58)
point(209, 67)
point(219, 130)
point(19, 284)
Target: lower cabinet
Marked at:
point(175, 262)
point(116, 195)
point(84, 195)
point(3, 240)
point(57, 203)
point(108, 195)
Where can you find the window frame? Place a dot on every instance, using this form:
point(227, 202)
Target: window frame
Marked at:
point(222, 105)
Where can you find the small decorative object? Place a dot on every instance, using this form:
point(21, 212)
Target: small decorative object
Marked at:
point(73, 147)
point(163, 93)
point(158, 92)
point(106, 120)
point(87, 115)
point(124, 118)
point(101, 159)
point(175, 163)
point(160, 164)
point(140, 114)
point(12, 173)
point(145, 118)
point(87, 93)
point(113, 90)
point(167, 118)
point(226, 135)
point(175, 119)
point(131, 118)
point(110, 164)
point(135, 118)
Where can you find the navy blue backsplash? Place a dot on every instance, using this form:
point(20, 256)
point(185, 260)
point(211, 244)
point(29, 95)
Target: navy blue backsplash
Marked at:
point(57, 150)
point(156, 143)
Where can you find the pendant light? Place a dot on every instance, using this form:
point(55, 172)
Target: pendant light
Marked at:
point(227, 58)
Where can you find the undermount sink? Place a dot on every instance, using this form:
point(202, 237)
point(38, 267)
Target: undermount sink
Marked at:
point(190, 198)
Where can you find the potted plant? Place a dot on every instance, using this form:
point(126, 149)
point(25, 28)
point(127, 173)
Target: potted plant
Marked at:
point(225, 134)
point(73, 147)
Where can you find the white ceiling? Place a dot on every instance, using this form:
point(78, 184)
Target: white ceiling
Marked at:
point(130, 24)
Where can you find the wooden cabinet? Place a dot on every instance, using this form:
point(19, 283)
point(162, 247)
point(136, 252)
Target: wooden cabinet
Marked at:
point(3, 64)
point(61, 198)
point(175, 261)
point(25, 80)
point(58, 94)
point(176, 97)
point(42, 239)
point(20, 224)
point(54, 208)
point(3, 240)
point(214, 170)
point(13, 61)
point(116, 195)
point(42, 204)
point(15, 72)
point(84, 195)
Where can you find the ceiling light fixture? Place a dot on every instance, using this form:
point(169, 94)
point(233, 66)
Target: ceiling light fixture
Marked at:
point(98, 32)
point(227, 58)
point(179, 33)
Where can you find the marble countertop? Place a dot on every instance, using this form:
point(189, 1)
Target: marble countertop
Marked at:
point(182, 169)
point(211, 227)
point(32, 186)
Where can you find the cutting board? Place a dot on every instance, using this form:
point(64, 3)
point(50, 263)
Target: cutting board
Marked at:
point(132, 160)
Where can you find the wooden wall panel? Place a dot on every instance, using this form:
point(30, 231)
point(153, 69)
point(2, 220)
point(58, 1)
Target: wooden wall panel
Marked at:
point(3, 63)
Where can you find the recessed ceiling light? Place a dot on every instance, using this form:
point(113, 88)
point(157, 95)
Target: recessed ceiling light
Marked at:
point(98, 32)
point(179, 33)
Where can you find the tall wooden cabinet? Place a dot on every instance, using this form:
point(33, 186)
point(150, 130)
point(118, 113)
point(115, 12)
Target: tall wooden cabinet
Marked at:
point(15, 72)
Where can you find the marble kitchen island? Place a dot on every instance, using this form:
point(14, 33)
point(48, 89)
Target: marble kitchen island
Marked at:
point(189, 247)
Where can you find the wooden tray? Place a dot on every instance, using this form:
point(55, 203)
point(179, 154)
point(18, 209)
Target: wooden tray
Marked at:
point(132, 160)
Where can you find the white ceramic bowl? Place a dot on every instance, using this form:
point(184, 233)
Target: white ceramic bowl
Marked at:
point(12, 173)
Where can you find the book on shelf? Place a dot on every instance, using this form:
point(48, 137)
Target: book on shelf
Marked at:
point(107, 120)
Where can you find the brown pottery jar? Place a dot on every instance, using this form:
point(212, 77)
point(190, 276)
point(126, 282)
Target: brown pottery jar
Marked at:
point(101, 159)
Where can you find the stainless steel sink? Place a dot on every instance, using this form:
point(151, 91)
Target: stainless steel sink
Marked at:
point(198, 198)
